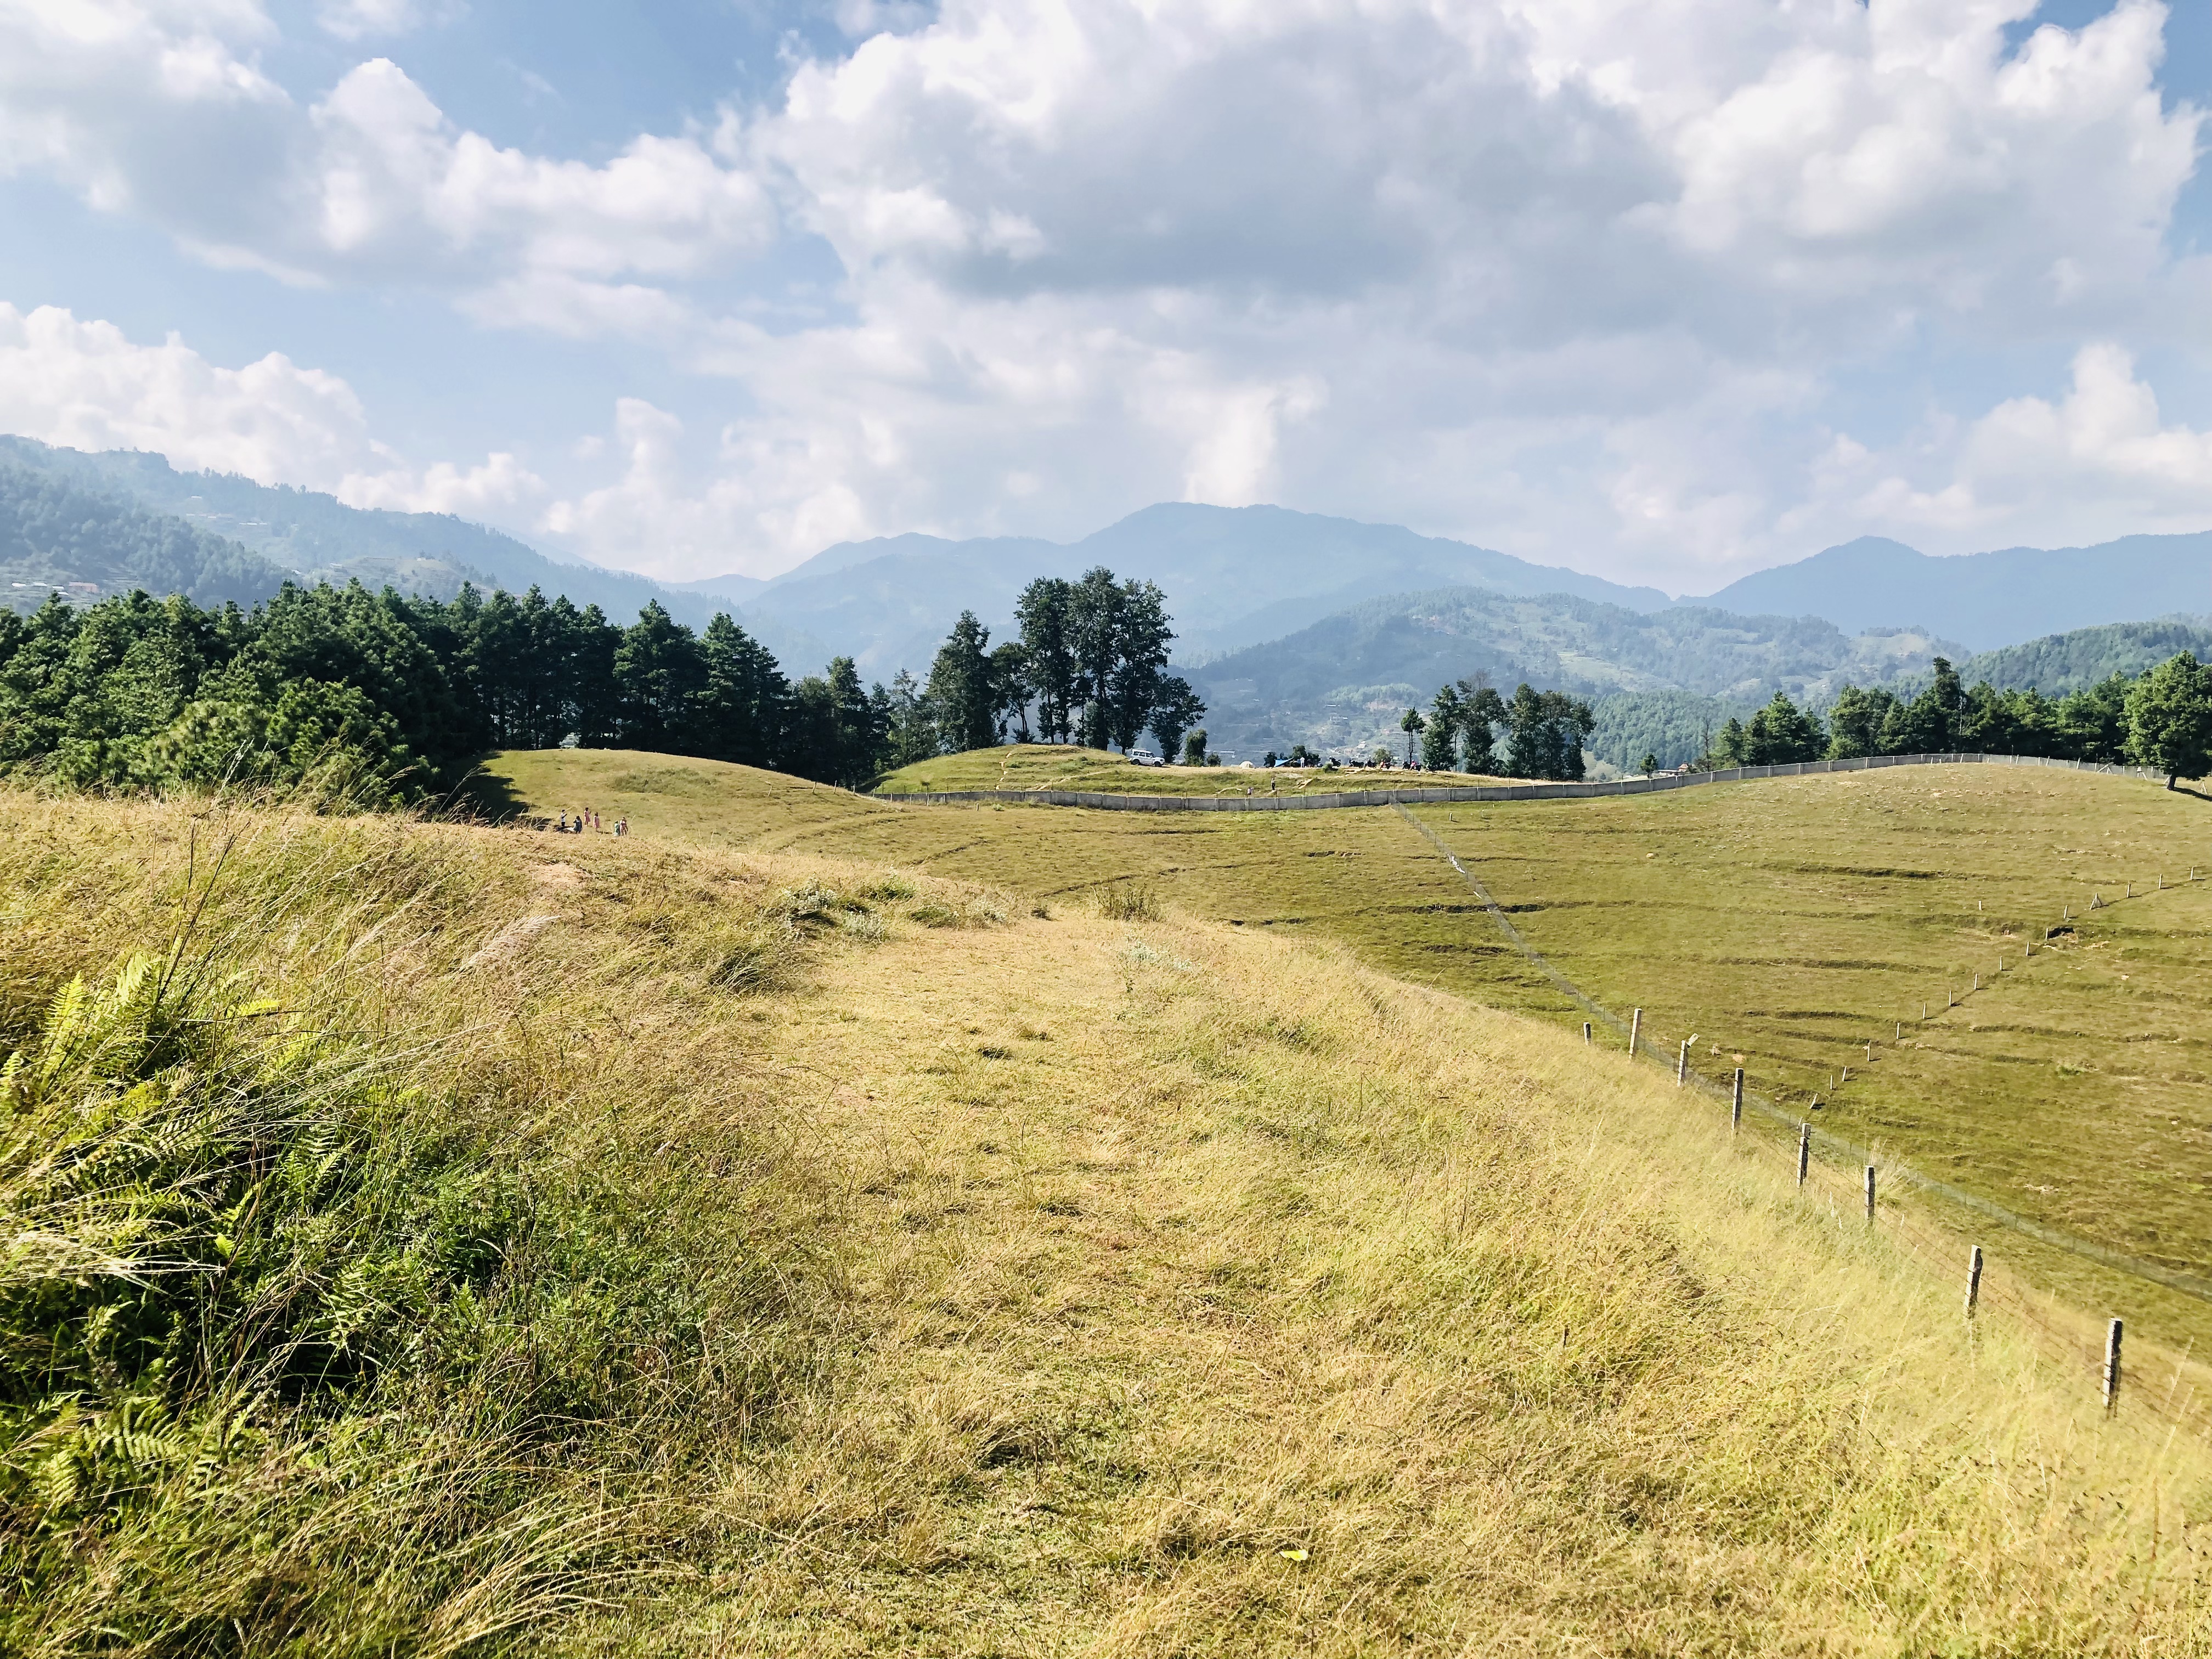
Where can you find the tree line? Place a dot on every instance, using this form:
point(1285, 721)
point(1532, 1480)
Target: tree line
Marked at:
point(1541, 731)
point(1089, 665)
point(2161, 718)
point(407, 693)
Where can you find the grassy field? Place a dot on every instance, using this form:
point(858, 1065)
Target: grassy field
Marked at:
point(691, 1249)
point(1789, 920)
point(1056, 766)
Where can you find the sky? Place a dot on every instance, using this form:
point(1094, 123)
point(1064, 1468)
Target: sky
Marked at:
point(1665, 290)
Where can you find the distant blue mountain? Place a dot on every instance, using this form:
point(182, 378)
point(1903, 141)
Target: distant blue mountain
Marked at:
point(1985, 599)
point(1234, 577)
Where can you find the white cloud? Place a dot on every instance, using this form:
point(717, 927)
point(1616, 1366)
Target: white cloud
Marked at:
point(2032, 470)
point(1578, 278)
point(86, 386)
point(164, 111)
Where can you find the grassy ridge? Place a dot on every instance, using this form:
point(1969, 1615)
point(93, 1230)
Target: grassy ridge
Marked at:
point(885, 1268)
point(2067, 1094)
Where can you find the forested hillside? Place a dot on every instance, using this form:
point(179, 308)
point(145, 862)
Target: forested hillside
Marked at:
point(56, 537)
point(2074, 661)
point(400, 695)
point(1343, 683)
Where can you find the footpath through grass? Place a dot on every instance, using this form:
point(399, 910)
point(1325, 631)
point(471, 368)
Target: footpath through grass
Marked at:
point(729, 1251)
point(1789, 920)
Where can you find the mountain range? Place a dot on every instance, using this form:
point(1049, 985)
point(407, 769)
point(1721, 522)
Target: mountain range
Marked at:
point(1295, 626)
point(263, 535)
point(1342, 684)
point(1985, 599)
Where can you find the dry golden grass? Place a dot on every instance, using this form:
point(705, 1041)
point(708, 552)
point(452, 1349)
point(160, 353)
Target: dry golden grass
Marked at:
point(1146, 1286)
point(1216, 1295)
point(1788, 921)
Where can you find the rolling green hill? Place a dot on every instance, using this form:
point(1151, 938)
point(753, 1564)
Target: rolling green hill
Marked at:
point(464, 1240)
point(1790, 919)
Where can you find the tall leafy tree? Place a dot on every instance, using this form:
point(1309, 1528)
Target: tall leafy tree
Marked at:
point(1481, 712)
point(1045, 611)
point(1440, 742)
point(1009, 686)
point(1855, 722)
point(2170, 718)
point(1545, 731)
point(1783, 734)
point(911, 735)
point(738, 709)
point(962, 688)
point(1095, 640)
point(661, 675)
point(1142, 636)
point(1175, 709)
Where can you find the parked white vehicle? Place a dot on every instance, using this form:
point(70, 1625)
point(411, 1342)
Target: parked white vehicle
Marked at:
point(1145, 757)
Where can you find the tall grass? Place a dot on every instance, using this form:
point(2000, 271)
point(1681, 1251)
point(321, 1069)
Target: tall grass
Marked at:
point(424, 1240)
point(338, 1314)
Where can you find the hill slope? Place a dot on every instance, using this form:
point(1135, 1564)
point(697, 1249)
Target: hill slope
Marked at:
point(56, 537)
point(2060, 663)
point(1232, 575)
point(1987, 599)
point(1341, 684)
point(2068, 1095)
point(869, 1267)
point(315, 536)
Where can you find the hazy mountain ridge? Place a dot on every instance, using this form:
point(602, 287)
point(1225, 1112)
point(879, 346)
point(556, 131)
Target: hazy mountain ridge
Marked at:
point(55, 537)
point(1985, 599)
point(1234, 577)
point(306, 535)
point(1342, 683)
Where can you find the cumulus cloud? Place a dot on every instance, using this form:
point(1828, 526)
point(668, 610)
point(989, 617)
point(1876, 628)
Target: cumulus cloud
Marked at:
point(2059, 472)
point(164, 110)
point(1575, 279)
point(86, 386)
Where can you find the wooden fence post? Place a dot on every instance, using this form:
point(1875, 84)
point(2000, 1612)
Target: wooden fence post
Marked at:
point(1682, 1063)
point(1635, 1030)
point(1870, 1192)
point(1736, 1108)
point(1974, 1281)
point(1804, 1150)
point(1586, 1032)
point(2113, 1365)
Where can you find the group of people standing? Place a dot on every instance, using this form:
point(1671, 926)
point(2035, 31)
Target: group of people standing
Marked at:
point(588, 819)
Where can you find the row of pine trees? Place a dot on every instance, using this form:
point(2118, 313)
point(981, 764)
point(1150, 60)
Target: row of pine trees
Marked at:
point(410, 692)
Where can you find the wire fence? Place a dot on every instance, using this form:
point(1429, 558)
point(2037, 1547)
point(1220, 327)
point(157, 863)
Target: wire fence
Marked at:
point(1848, 1176)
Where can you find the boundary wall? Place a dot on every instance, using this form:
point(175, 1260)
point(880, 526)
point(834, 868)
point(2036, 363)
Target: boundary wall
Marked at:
point(1108, 801)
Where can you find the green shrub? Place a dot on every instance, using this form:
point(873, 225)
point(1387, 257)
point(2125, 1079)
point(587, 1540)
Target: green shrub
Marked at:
point(1129, 901)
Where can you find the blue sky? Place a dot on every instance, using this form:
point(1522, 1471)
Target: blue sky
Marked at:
point(1665, 290)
